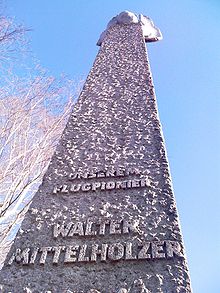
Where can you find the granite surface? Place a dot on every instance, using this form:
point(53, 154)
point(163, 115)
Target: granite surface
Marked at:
point(104, 219)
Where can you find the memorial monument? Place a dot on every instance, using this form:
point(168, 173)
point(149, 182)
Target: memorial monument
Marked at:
point(104, 218)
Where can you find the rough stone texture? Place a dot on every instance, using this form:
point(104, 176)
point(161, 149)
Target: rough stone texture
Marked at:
point(150, 31)
point(114, 126)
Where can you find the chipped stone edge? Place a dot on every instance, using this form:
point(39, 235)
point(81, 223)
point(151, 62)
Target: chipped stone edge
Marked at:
point(150, 31)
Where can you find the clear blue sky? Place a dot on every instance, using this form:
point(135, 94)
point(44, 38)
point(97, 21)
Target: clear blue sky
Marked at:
point(186, 67)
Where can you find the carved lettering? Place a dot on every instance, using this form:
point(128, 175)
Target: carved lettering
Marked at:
point(57, 189)
point(158, 249)
point(116, 251)
point(102, 252)
point(135, 183)
point(144, 182)
point(92, 175)
point(130, 226)
point(110, 173)
point(96, 185)
point(70, 255)
point(72, 176)
point(83, 175)
point(75, 187)
point(128, 252)
point(61, 229)
point(86, 187)
point(96, 251)
point(102, 226)
point(110, 185)
point(90, 228)
point(120, 172)
point(115, 227)
point(121, 184)
point(82, 254)
point(89, 231)
point(57, 250)
point(34, 255)
point(64, 189)
point(144, 252)
point(20, 256)
point(173, 248)
point(102, 186)
point(77, 229)
point(100, 174)
point(44, 251)
point(129, 184)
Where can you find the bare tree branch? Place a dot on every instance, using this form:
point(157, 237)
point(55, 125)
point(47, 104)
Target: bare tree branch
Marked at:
point(30, 126)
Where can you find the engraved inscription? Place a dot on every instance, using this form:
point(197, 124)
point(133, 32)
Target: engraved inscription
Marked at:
point(102, 185)
point(119, 172)
point(126, 251)
point(90, 228)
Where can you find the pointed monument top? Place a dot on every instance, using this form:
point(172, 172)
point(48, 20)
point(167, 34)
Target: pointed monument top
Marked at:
point(151, 33)
point(104, 218)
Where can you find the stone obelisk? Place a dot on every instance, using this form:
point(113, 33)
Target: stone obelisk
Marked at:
point(104, 219)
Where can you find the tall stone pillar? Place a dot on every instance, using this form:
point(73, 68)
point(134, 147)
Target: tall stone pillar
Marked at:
point(105, 219)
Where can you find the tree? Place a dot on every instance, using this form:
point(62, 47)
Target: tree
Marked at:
point(30, 126)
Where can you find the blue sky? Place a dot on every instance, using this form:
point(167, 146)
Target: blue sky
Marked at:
point(185, 66)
